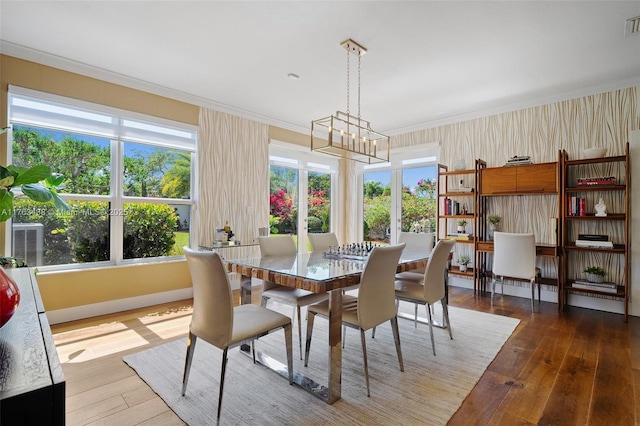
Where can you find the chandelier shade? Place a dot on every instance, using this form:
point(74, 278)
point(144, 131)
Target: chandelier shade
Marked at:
point(349, 136)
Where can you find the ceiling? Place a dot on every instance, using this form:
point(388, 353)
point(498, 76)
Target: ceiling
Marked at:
point(428, 62)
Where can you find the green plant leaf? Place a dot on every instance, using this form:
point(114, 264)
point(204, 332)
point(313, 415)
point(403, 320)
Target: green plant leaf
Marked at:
point(59, 202)
point(37, 192)
point(33, 175)
point(6, 204)
point(54, 180)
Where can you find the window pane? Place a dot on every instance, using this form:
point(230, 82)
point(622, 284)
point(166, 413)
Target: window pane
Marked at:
point(151, 171)
point(318, 201)
point(42, 235)
point(377, 206)
point(84, 160)
point(283, 199)
point(418, 199)
point(154, 230)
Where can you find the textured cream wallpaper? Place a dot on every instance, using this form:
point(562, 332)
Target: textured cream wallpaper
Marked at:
point(233, 179)
point(603, 120)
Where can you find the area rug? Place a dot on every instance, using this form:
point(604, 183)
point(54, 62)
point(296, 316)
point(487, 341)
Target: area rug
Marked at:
point(428, 392)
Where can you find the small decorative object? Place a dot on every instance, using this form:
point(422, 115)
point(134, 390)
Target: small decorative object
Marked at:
point(461, 225)
point(594, 152)
point(601, 208)
point(463, 261)
point(595, 274)
point(494, 220)
point(460, 164)
point(417, 227)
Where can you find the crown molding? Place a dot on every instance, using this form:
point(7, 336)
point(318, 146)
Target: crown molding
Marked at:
point(48, 59)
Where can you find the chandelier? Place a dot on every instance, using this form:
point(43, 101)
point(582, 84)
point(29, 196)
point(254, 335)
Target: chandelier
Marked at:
point(349, 136)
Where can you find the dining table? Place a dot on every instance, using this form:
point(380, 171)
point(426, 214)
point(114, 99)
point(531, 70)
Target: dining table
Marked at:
point(318, 273)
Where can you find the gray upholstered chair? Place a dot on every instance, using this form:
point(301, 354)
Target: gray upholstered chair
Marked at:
point(218, 323)
point(285, 246)
point(373, 306)
point(322, 242)
point(514, 256)
point(431, 289)
point(416, 243)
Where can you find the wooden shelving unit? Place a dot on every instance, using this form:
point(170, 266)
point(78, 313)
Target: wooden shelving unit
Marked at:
point(449, 189)
point(615, 225)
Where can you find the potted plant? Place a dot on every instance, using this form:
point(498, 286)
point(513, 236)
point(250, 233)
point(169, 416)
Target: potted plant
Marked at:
point(493, 220)
point(38, 184)
point(595, 274)
point(463, 261)
point(461, 225)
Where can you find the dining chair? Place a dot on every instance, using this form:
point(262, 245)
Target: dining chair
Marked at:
point(373, 306)
point(284, 245)
point(323, 241)
point(416, 242)
point(432, 287)
point(218, 323)
point(514, 256)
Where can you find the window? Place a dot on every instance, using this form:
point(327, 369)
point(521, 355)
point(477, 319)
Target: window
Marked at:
point(128, 181)
point(401, 192)
point(301, 196)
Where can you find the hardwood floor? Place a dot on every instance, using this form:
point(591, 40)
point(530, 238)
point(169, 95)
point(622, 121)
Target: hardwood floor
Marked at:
point(578, 367)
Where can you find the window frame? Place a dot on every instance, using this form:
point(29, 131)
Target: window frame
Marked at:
point(140, 132)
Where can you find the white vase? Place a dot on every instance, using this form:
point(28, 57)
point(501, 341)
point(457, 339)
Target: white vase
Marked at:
point(463, 268)
point(593, 278)
point(461, 229)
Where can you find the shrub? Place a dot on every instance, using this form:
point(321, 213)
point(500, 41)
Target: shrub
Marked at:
point(148, 230)
point(314, 224)
point(595, 270)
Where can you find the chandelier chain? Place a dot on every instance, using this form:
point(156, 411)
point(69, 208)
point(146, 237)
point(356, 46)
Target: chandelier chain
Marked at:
point(359, 56)
point(348, 78)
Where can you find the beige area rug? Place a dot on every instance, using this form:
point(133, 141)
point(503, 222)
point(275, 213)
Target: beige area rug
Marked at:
point(428, 392)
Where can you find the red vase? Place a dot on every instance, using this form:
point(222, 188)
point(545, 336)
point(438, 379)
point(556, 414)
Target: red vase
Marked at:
point(9, 297)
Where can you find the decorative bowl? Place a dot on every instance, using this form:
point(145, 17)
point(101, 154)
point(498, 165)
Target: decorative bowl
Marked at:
point(593, 278)
point(594, 152)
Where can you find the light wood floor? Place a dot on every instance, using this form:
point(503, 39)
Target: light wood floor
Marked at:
point(578, 367)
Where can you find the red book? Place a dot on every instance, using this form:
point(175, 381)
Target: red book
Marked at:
point(583, 207)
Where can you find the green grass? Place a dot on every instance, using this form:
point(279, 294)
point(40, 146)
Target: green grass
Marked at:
point(182, 239)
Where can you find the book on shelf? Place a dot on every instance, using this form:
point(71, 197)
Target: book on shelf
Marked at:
point(593, 237)
point(595, 181)
point(458, 237)
point(602, 284)
point(463, 189)
point(590, 286)
point(594, 244)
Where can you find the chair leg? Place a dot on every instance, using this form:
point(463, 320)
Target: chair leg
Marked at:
point(299, 330)
point(493, 288)
point(289, 344)
point(310, 317)
point(433, 343)
point(344, 335)
point(373, 333)
point(533, 291)
point(415, 317)
point(224, 369)
point(445, 315)
point(364, 357)
point(396, 339)
point(253, 349)
point(191, 346)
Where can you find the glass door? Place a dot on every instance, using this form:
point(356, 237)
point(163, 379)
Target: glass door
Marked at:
point(283, 200)
point(418, 204)
point(376, 209)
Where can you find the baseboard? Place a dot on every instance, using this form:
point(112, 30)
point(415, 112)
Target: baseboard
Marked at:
point(95, 309)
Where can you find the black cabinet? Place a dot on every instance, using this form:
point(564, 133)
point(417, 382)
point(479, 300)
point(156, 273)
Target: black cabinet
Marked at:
point(32, 386)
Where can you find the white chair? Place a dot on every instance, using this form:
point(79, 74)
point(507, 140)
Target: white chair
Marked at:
point(514, 256)
point(432, 287)
point(322, 242)
point(218, 323)
point(285, 246)
point(416, 242)
point(373, 306)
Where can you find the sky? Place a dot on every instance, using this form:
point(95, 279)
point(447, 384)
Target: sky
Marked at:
point(410, 176)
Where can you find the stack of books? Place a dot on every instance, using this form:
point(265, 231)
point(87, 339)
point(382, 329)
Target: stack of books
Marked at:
point(594, 241)
point(595, 181)
point(458, 237)
point(606, 287)
point(518, 160)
